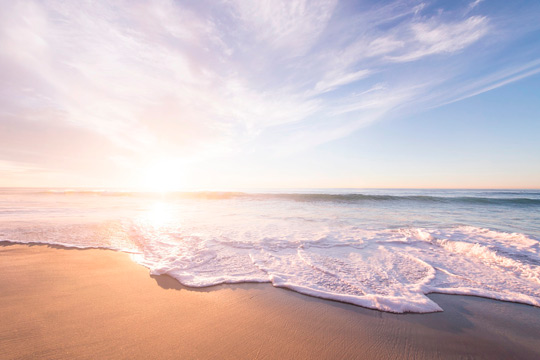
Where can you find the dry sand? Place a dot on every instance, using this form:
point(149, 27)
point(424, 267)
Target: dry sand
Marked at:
point(59, 303)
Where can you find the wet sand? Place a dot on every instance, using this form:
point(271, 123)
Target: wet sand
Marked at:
point(60, 303)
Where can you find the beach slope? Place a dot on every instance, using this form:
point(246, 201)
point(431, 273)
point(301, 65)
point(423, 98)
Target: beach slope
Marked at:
point(60, 303)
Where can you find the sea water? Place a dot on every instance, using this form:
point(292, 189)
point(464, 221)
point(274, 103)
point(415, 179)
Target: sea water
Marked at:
point(381, 249)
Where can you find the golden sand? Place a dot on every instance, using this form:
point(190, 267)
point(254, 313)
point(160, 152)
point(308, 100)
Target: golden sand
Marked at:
point(62, 303)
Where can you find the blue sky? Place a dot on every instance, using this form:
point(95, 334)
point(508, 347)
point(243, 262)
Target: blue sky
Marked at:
point(233, 94)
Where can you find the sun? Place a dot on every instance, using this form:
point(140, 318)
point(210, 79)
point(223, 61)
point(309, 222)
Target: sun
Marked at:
point(164, 175)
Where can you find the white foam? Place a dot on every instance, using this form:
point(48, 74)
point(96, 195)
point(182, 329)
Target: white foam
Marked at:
point(317, 249)
point(390, 270)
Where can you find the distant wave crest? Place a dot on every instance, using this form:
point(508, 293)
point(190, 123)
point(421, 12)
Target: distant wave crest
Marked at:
point(502, 198)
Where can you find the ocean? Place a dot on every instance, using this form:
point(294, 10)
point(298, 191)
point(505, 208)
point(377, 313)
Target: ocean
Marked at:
point(377, 248)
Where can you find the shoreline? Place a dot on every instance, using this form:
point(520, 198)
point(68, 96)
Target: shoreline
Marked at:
point(61, 302)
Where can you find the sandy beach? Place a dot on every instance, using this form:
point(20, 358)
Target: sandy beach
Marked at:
point(291, 179)
point(60, 303)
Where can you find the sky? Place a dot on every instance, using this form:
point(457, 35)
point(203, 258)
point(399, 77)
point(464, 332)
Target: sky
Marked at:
point(234, 94)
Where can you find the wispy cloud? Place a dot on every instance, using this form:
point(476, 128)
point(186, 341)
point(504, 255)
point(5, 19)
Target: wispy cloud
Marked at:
point(333, 80)
point(432, 37)
point(289, 26)
point(473, 4)
point(487, 83)
point(195, 81)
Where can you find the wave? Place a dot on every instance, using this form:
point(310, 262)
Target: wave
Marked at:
point(385, 251)
point(503, 198)
point(354, 198)
point(390, 270)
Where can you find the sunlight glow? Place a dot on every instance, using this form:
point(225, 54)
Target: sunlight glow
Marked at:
point(164, 175)
point(158, 215)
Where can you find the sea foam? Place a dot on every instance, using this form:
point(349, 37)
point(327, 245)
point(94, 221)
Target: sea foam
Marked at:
point(359, 254)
